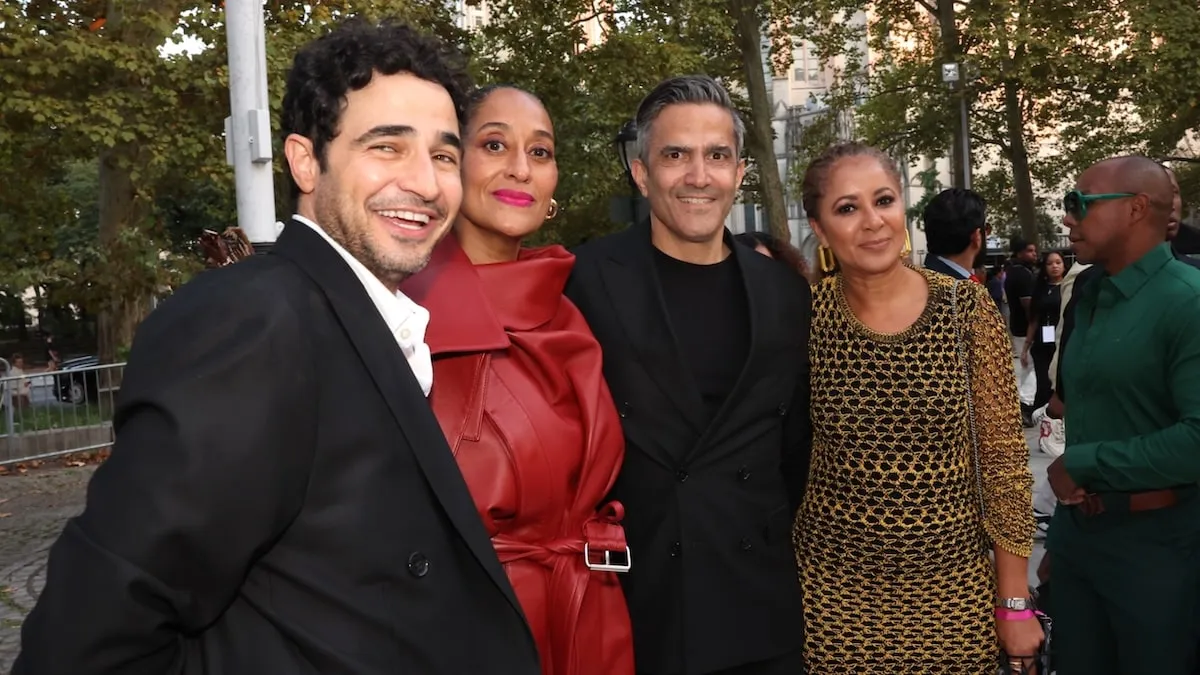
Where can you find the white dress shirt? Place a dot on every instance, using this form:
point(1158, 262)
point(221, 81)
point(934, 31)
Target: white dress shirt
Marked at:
point(404, 318)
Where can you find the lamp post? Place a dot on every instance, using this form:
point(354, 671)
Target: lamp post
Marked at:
point(952, 74)
point(626, 145)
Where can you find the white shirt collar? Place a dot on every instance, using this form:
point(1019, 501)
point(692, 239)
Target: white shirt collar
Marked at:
point(405, 319)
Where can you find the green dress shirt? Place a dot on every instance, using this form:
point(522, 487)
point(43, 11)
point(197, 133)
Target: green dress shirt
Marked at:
point(1133, 369)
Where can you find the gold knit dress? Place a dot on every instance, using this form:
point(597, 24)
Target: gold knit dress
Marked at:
point(889, 539)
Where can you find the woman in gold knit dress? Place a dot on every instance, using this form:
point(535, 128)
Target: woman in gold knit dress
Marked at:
point(906, 484)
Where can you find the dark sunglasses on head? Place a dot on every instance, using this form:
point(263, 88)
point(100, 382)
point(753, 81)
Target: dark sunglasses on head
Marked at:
point(1076, 203)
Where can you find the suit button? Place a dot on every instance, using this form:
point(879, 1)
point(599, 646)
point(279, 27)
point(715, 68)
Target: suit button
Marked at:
point(743, 473)
point(782, 409)
point(676, 550)
point(746, 545)
point(418, 565)
point(681, 476)
point(624, 409)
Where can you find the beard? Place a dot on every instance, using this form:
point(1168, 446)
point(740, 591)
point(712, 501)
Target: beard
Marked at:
point(353, 230)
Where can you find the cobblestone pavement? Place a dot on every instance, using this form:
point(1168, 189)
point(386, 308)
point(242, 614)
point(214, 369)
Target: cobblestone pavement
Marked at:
point(35, 506)
point(33, 509)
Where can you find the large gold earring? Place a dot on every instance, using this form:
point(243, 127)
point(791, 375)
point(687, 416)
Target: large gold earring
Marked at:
point(904, 253)
point(553, 210)
point(826, 259)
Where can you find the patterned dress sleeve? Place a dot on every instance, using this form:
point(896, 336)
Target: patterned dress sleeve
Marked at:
point(1003, 452)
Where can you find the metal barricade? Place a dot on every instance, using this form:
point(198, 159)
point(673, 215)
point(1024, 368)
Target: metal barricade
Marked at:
point(50, 414)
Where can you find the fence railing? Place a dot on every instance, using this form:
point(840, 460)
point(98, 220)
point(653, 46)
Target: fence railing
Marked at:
point(56, 413)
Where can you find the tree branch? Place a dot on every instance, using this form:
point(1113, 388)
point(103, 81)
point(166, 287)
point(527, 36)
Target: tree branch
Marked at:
point(932, 9)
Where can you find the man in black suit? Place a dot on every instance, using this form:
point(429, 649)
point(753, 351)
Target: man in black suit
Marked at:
point(955, 232)
point(280, 498)
point(706, 353)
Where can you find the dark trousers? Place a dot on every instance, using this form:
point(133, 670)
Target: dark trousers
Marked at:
point(1126, 589)
point(1042, 354)
point(788, 664)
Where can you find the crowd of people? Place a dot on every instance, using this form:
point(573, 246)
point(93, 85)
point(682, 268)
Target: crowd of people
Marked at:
point(664, 452)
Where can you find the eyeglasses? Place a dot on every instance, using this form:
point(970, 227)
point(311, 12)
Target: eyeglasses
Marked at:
point(1076, 203)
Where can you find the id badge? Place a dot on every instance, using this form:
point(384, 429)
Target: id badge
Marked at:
point(1047, 334)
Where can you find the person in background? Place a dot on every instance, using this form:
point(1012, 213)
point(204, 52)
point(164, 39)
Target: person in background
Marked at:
point(995, 287)
point(22, 387)
point(955, 232)
point(1125, 538)
point(1045, 307)
point(1175, 224)
point(1018, 288)
point(917, 524)
point(773, 247)
point(519, 393)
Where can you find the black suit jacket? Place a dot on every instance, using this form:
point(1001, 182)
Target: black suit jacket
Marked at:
point(935, 263)
point(280, 499)
point(709, 502)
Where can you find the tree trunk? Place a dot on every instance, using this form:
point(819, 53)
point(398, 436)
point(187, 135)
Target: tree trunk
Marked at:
point(119, 314)
point(761, 141)
point(120, 206)
point(1019, 155)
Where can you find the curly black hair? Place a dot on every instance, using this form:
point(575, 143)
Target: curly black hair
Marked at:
point(345, 60)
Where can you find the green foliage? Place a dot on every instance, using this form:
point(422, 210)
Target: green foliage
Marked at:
point(927, 179)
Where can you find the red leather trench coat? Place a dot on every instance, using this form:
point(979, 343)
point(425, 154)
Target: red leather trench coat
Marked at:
point(519, 393)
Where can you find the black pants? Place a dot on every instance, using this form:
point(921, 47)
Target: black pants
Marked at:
point(788, 664)
point(1042, 353)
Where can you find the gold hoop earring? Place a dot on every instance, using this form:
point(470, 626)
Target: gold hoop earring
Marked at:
point(826, 259)
point(553, 210)
point(904, 253)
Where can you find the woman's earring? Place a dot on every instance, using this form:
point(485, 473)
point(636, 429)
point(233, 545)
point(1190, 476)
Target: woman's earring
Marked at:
point(826, 259)
point(553, 210)
point(904, 253)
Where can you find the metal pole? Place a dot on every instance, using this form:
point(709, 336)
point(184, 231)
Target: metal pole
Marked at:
point(966, 141)
point(248, 128)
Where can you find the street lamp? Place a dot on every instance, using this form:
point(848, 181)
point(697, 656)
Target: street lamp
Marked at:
point(958, 74)
point(626, 145)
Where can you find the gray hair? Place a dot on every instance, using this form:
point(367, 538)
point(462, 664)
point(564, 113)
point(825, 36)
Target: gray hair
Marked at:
point(685, 89)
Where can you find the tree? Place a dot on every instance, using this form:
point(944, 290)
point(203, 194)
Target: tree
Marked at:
point(1040, 69)
point(89, 80)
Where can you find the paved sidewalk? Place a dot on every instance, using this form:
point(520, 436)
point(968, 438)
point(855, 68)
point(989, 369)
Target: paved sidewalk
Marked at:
point(33, 509)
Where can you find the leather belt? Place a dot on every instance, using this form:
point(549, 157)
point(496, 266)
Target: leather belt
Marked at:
point(1132, 502)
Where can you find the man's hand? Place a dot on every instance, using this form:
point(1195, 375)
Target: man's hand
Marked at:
point(1055, 408)
point(1063, 485)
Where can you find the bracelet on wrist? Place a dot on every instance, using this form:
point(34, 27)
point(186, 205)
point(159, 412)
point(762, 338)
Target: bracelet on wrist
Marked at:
point(1014, 615)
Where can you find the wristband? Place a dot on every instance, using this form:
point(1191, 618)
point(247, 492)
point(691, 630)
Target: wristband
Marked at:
point(1014, 615)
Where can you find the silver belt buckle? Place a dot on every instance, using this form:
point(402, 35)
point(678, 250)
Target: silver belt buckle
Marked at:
point(608, 565)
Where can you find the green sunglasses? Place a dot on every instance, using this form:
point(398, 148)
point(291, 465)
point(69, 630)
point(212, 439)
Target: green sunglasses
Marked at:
point(1076, 203)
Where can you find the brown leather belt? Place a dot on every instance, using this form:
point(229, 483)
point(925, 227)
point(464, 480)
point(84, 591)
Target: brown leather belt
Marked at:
point(1132, 502)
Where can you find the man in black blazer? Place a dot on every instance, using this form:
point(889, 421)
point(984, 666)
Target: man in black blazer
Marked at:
point(706, 353)
point(955, 232)
point(280, 499)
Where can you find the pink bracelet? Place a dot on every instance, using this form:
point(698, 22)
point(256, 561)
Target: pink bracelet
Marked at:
point(1014, 615)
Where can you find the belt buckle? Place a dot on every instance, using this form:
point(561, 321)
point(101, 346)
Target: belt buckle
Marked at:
point(608, 565)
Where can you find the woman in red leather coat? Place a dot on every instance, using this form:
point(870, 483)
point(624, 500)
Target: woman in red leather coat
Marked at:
point(518, 391)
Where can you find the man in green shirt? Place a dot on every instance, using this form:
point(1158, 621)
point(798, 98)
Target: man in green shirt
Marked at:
point(1125, 544)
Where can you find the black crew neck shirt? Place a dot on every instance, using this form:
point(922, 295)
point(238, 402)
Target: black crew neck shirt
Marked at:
point(708, 311)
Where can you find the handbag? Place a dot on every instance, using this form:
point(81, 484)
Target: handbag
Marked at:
point(1043, 657)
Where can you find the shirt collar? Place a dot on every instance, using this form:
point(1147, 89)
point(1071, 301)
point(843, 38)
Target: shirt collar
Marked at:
point(395, 307)
point(1131, 279)
point(966, 273)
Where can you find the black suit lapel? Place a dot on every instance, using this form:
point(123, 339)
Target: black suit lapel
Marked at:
point(397, 384)
point(632, 282)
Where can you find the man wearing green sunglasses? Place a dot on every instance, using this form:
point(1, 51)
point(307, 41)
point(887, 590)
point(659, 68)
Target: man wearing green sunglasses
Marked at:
point(1124, 543)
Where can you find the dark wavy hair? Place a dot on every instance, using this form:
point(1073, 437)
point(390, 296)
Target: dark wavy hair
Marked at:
point(345, 60)
point(780, 250)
